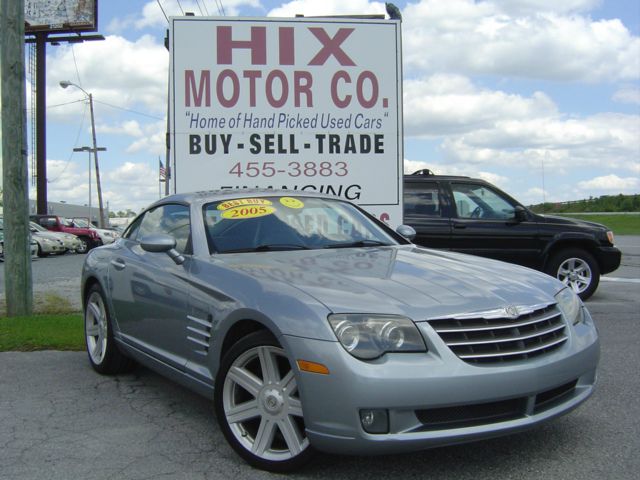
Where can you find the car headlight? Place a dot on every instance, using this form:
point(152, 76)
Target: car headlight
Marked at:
point(570, 305)
point(368, 336)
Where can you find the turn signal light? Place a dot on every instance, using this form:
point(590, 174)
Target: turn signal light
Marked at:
point(312, 367)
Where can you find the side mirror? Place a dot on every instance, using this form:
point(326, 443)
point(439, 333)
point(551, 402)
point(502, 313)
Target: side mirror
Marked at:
point(520, 214)
point(407, 232)
point(161, 242)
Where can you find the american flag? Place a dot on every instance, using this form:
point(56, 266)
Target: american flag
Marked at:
point(163, 171)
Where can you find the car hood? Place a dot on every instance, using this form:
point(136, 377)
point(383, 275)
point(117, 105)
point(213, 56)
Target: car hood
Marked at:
point(49, 235)
point(552, 219)
point(417, 282)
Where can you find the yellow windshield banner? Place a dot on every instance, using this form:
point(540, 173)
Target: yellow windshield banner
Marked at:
point(243, 201)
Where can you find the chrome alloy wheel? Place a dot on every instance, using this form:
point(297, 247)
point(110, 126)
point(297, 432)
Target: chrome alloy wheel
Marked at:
point(95, 327)
point(575, 273)
point(262, 406)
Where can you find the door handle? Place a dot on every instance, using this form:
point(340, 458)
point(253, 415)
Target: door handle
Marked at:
point(459, 225)
point(118, 264)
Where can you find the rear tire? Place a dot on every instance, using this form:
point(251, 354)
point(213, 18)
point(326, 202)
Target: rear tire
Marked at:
point(577, 269)
point(258, 406)
point(104, 355)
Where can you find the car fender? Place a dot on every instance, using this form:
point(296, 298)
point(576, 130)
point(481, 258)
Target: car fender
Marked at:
point(568, 239)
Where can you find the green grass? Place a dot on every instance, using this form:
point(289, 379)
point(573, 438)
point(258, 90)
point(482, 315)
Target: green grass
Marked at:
point(42, 332)
point(619, 224)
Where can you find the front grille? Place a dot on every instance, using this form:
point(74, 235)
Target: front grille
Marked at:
point(497, 336)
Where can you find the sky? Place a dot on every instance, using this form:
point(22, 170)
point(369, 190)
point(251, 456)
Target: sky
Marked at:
point(540, 97)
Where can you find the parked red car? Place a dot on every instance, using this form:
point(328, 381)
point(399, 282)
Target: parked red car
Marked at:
point(88, 238)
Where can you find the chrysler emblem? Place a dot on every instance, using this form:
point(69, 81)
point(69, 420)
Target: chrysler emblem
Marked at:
point(511, 311)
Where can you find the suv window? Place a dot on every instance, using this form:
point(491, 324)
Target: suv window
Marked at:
point(422, 199)
point(479, 201)
point(173, 220)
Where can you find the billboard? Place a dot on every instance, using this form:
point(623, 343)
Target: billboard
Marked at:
point(301, 104)
point(60, 16)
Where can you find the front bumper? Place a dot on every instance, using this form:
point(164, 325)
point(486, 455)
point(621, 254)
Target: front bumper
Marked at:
point(608, 259)
point(413, 386)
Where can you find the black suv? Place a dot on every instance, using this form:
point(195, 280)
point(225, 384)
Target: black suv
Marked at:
point(469, 215)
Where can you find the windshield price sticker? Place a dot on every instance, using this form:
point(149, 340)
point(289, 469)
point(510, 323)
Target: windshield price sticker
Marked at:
point(243, 201)
point(238, 213)
point(298, 104)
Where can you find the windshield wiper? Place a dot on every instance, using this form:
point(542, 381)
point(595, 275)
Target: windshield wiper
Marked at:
point(358, 243)
point(269, 247)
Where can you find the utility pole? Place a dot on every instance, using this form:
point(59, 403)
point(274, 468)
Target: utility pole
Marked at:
point(95, 149)
point(17, 269)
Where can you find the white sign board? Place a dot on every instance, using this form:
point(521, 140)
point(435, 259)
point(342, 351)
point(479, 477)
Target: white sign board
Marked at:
point(301, 104)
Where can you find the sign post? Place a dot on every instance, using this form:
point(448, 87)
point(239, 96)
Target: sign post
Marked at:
point(311, 104)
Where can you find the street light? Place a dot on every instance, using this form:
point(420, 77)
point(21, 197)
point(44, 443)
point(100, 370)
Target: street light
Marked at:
point(95, 149)
point(90, 150)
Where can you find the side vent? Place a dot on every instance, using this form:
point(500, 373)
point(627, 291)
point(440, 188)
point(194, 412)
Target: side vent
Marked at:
point(199, 333)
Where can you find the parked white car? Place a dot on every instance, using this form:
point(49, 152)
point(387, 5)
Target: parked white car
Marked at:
point(107, 236)
point(69, 242)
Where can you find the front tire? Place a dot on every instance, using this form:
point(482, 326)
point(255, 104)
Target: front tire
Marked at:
point(84, 245)
point(577, 269)
point(258, 406)
point(104, 355)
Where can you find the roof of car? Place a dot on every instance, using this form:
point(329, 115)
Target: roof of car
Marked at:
point(426, 174)
point(216, 195)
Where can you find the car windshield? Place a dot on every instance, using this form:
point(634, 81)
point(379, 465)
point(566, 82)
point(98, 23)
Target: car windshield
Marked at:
point(81, 222)
point(34, 226)
point(256, 224)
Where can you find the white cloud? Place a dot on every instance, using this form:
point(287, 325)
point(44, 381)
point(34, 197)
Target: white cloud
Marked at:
point(327, 7)
point(129, 127)
point(116, 71)
point(152, 141)
point(518, 40)
point(628, 94)
point(611, 183)
point(447, 104)
point(153, 16)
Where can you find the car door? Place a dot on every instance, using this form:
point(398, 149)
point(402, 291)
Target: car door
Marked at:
point(149, 290)
point(426, 210)
point(485, 223)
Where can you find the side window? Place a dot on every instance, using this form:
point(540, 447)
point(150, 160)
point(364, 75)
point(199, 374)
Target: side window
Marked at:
point(479, 201)
point(422, 199)
point(173, 220)
point(132, 230)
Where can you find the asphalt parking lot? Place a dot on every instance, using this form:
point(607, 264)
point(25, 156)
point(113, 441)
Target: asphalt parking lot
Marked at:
point(60, 420)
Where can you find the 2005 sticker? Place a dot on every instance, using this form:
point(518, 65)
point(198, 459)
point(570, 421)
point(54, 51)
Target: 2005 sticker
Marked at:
point(242, 212)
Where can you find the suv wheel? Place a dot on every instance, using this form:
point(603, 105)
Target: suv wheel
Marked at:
point(577, 269)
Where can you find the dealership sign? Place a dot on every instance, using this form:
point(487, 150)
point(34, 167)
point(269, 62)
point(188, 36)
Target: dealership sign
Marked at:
point(301, 104)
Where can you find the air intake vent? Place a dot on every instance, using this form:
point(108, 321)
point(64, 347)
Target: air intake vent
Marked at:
point(199, 333)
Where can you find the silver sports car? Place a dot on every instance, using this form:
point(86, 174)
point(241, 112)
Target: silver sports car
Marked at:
point(312, 325)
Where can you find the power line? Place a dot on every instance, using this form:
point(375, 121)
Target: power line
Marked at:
point(66, 103)
point(180, 7)
point(199, 7)
point(127, 110)
point(163, 12)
